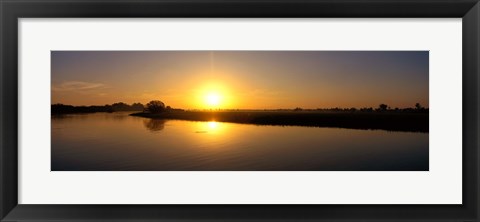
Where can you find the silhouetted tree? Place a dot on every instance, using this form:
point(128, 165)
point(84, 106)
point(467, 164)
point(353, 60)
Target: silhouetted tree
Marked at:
point(107, 108)
point(137, 106)
point(382, 107)
point(120, 106)
point(155, 106)
point(418, 106)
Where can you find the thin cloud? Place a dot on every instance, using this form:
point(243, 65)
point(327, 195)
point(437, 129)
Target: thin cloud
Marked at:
point(78, 86)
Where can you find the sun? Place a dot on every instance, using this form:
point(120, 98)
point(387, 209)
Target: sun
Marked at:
point(212, 99)
point(212, 96)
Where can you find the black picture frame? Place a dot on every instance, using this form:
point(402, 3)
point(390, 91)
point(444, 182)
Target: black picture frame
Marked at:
point(12, 10)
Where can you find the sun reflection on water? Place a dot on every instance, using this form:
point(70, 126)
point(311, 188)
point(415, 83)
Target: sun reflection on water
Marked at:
point(212, 125)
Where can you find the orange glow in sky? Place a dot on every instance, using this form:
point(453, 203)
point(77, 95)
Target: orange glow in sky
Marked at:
point(242, 79)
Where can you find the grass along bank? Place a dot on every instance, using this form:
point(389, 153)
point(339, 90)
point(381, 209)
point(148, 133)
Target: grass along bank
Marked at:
point(392, 121)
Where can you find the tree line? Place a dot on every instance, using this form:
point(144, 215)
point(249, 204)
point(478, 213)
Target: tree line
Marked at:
point(115, 107)
point(418, 108)
point(154, 106)
point(157, 106)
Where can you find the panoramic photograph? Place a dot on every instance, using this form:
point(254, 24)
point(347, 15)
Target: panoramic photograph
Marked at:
point(239, 110)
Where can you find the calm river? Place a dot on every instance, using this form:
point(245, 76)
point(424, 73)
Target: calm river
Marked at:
point(117, 141)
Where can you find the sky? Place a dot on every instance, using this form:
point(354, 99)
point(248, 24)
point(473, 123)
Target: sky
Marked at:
point(242, 79)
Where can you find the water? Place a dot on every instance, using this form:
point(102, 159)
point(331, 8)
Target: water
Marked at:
point(117, 141)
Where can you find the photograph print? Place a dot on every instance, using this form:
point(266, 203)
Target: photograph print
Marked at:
point(239, 110)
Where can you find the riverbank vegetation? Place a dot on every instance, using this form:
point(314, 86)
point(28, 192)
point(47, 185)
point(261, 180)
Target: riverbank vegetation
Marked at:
point(115, 107)
point(408, 119)
point(393, 121)
point(383, 117)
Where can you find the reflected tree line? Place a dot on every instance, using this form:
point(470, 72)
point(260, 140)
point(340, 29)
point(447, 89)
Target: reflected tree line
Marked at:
point(154, 125)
